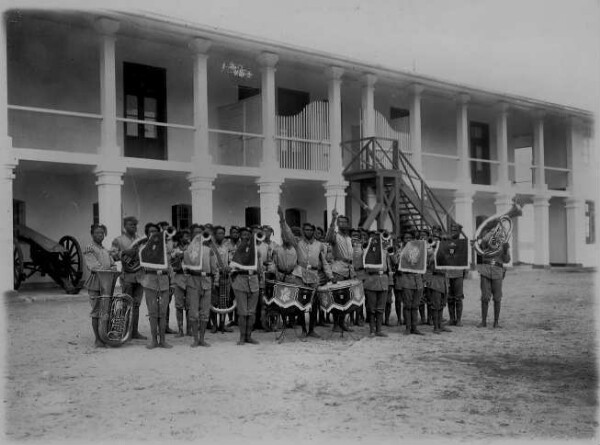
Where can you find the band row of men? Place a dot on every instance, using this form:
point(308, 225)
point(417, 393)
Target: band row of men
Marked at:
point(305, 257)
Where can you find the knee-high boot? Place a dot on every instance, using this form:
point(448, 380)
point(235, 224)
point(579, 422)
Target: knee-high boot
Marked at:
point(452, 312)
point(422, 313)
point(484, 311)
point(179, 314)
point(415, 321)
point(372, 323)
point(196, 339)
point(135, 319)
point(167, 318)
point(153, 332)
point(201, 332)
point(378, 323)
point(407, 320)
point(337, 326)
point(250, 320)
point(242, 326)
point(162, 342)
point(188, 327)
point(388, 312)
point(459, 309)
point(213, 319)
point(496, 314)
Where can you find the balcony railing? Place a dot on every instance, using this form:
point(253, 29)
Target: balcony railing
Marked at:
point(235, 148)
point(440, 167)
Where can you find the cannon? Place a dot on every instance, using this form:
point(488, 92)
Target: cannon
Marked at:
point(62, 261)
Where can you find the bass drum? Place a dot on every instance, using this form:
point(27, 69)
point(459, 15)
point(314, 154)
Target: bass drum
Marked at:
point(341, 296)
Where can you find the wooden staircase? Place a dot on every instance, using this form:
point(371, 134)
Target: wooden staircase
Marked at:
point(402, 196)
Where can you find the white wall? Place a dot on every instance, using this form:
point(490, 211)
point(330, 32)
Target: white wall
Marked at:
point(558, 231)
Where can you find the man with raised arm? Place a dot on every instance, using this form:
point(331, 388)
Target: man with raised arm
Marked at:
point(312, 267)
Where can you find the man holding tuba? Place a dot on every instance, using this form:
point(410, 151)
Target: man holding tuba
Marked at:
point(96, 257)
point(491, 273)
point(132, 271)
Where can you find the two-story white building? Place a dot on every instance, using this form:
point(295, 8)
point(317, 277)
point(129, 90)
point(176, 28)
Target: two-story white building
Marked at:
point(112, 114)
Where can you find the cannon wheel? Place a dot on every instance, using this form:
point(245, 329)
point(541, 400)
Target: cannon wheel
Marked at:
point(17, 265)
point(74, 258)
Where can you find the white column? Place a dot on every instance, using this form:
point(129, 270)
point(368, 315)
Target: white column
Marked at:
point(202, 198)
point(502, 144)
point(202, 176)
point(334, 74)
point(462, 139)
point(109, 180)
point(108, 88)
point(268, 61)
point(538, 151)
point(270, 194)
point(575, 230)
point(8, 163)
point(415, 128)
point(463, 213)
point(368, 106)
point(201, 158)
point(541, 217)
point(503, 203)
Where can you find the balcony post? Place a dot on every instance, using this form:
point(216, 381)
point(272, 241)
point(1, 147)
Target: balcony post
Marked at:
point(502, 144)
point(538, 152)
point(462, 139)
point(270, 157)
point(415, 128)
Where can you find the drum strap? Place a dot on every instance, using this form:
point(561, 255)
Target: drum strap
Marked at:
point(219, 259)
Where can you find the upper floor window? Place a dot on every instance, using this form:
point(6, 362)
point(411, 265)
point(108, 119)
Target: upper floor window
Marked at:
point(181, 216)
point(145, 91)
point(18, 212)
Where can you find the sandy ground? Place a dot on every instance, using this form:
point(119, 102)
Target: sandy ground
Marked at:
point(534, 379)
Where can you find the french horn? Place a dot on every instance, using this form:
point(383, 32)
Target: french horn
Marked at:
point(495, 231)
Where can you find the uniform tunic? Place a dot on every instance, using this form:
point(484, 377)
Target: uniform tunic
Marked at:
point(491, 273)
point(376, 284)
point(246, 286)
point(131, 278)
point(96, 257)
point(343, 252)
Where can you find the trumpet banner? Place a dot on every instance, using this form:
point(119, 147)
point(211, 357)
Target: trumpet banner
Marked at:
point(245, 256)
point(153, 255)
point(193, 254)
point(413, 257)
point(452, 254)
point(373, 255)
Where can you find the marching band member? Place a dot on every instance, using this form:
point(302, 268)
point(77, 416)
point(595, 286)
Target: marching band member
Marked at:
point(376, 282)
point(181, 290)
point(312, 267)
point(412, 291)
point(96, 257)
point(200, 283)
point(455, 287)
point(423, 304)
point(245, 284)
point(342, 250)
point(232, 243)
point(492, 273)
point(265, 249)
point(359, 239)
point(156, 290)
point(222, 288)
point(131, 279)
point(437, 286)
point(394, 259)
point(164, 225)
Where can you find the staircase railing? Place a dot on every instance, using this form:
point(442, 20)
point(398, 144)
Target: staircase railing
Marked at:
point(373, 156)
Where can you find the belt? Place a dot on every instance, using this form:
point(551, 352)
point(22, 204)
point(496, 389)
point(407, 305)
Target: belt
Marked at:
point(197, 273)
point(178, 271)
point(375, 272)
point(155, 272)
point(493, 263)
point(345, 261)
point(245, 272)
point(285, 273)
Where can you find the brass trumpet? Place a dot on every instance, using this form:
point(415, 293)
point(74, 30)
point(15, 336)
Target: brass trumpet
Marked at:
point(259, 236)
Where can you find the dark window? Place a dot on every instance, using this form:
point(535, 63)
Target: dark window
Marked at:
point(398, 113)
point(252, 216)
point(290, 102)
point(480, 149)
point(145, 92)
point(294, 217)
point(590, 222)
point(325, 220)
point(18, 212)
point(181, 216)
point(246, 92)
point(95, 213)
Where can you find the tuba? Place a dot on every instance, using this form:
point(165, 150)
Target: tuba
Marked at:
point(495, 231)
point(116, 313)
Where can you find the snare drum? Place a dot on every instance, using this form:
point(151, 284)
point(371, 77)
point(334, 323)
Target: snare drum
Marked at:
point(287, 297)
point(342, 296)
